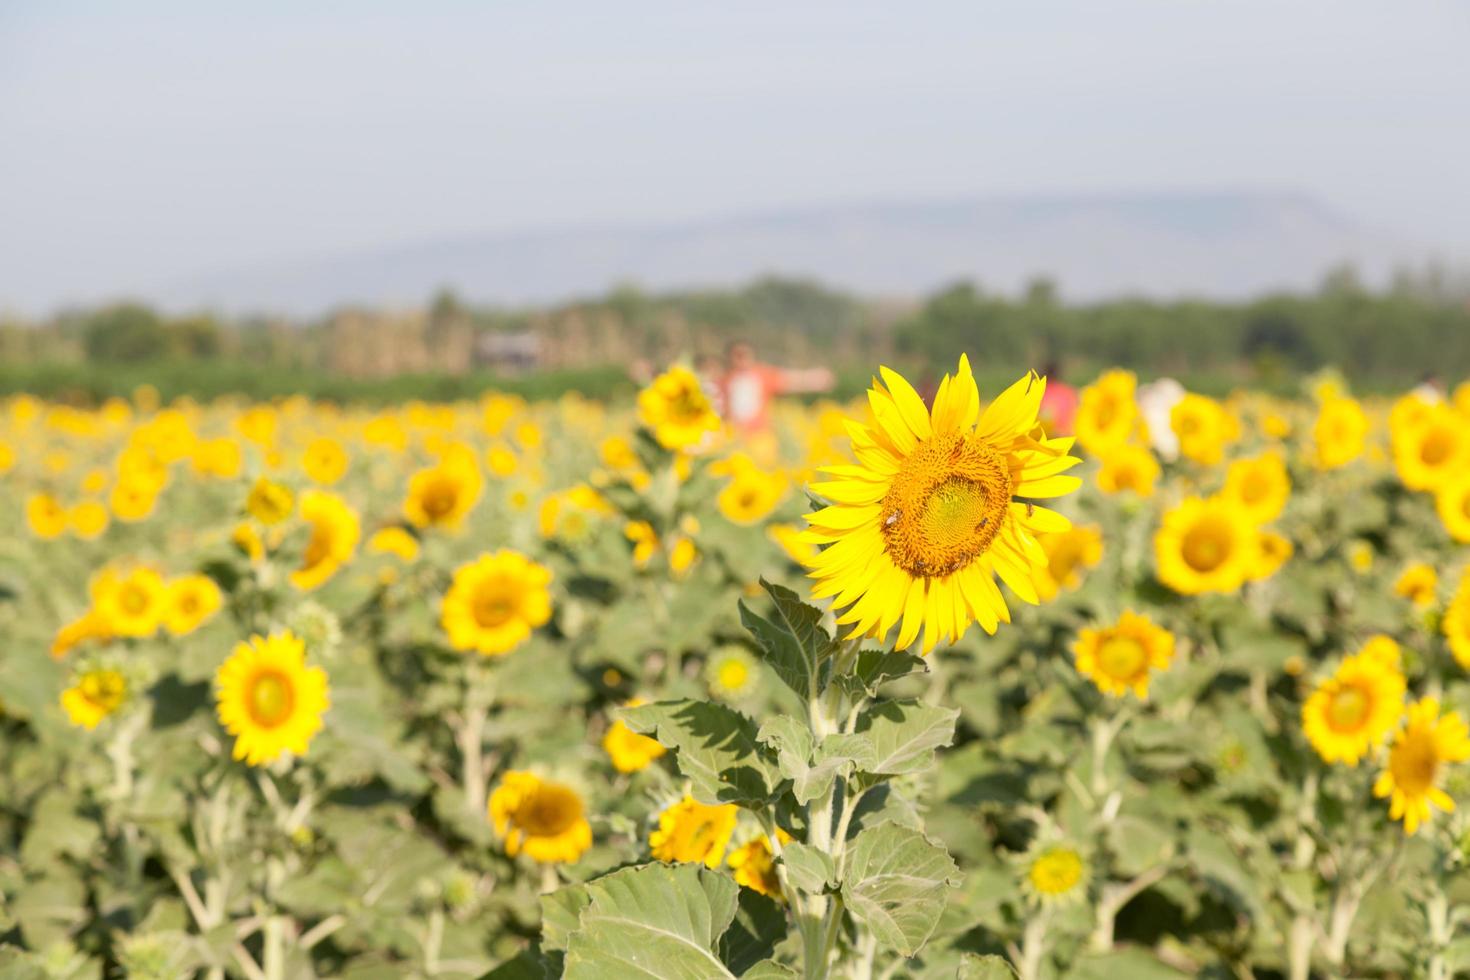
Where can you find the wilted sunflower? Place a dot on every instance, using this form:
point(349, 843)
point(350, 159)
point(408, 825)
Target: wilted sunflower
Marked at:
point(191, 600)
point(1128, 467)
point(269, 699)
point(495, 602)
point(96, 694)
point(675, 407)
point(1421, 749)
point(1419, 583)
point(1205, 545)
point(1352, 711)
point(628, 750)
point(938, 505)
point(334, 533)
point(1122, 657)
point(1260, 486)
point(694, 832)
point(544, 820)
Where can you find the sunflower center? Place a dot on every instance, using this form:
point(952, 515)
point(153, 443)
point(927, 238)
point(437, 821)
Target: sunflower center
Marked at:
point(1122, 657)
point(1254, 488)
point(1438, 446)
point(133, 600)
point(1207, 545)
point(1414, 764)
point(733, 674)
point(1348, 709)
point(271, 699)
point(439, 497)
point(494, 605)
point(551, 810)
point(945, 507)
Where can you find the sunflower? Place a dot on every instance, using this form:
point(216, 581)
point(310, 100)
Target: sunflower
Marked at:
point(569, 514)
point(130, 603)
point(1456, 622)
point(628, 750)
point(1260, 486)
point(754, 866)
point(644, 539)
point(1352, 711)
point(1205, 545)
point(1340, 433)
point(443, 494)
point(1067, 554)
point(1452, 501)
point(544, 820)
point(1204, 428)
point(394, 541)
point(501, 461)
point(1107, 412)
point(1055, 872)
point(334, 533)
point(191, 600)
point(920, 527)
point(1272, 551)
point(269, 699)
point(247, 541)
point(1360, 556)
point(1128, 467)
point(269, 502)
point(95, 695)
point(693, 831)
point(1431, 447)
point(87, 520)
point(1419, 583)
point(324, 461)
point(86, 628)
point(495, 602)
point(750, 496)
point(731, 673)
point(1122, 657)
point(46, 516)
point(677, 409)
point(1425, 743)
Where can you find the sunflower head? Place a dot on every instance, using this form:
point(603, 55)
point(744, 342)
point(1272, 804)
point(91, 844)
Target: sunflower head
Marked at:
point(677, 410)
point(1260, 486)
point(269, 502)
point(1055, 872)
point(269, 699)
point(754, 866)
point(732, 673)
point(1204, 428)
point(1423, 747)
point(628, 750)
point(324, 461)
point(1452, 502)
point(1419, 583)
point(1068, 554)
point(1351, 712)
point(1107, 412)
point(1122, 657)
point(334, 531)
point(1340, 433)
point(96, 693)
point(495, 602)
point(131, 602)
point(1430, 445)
point(1128, 468)
point(751, 495)
point(191, 600)
point(1272, 551)
point(544, 820)
point(1205, 545)
point(938, 505)
point(694, 832)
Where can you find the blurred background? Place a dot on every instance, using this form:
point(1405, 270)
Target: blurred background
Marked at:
point(377, 201)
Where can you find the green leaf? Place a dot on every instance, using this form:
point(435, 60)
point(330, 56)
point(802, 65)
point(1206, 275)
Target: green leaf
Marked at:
point(811, 770)
point(560, 913)
point(808, 868)
point(895, 883)
point(874, 668)
point(718, 749)
point(973, 967)
point(904, 735)
point(525, 965)
point(770, 970)
point(1136, 964)
point(760, 923)
point(794, 642)
point(657, 921)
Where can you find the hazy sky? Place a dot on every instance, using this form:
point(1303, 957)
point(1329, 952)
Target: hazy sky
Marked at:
point(142, 143)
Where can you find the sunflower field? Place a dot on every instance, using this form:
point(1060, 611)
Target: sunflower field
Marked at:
point(900, 689)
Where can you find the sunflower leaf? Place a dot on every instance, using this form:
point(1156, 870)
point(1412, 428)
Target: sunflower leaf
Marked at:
point(904, 735)
point(895, 883)
point(719, 752)
point(794, 642)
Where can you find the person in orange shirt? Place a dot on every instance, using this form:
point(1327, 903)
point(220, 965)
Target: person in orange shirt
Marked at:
point(748, 386)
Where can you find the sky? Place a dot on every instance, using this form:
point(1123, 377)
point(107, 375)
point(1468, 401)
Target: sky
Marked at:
point(147, 142)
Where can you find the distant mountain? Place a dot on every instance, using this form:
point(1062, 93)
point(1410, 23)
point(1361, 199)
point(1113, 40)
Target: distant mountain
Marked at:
point(1220, 245)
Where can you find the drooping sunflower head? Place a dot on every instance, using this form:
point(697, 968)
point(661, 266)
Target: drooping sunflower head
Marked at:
point(442, 495)
point(938, 504)
point(1068, 554)
point(1423, 747)
point(1419, 583)
point(1055, 872)
point(1260, 486)
point(677, 410)
point(334, 531)
point(694, 832)
point(191, 600)
point(1351, 712)
point(1340, 433)
point(1128, 468)
point(269, 699)
point(542, 819)
point(96, 694)
point(1107, 412)
point(1205, 545)
point(1122, 657)
point(495, 602)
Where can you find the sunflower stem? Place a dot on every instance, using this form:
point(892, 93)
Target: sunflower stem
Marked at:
point(471, 737)
point(1033, 946)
